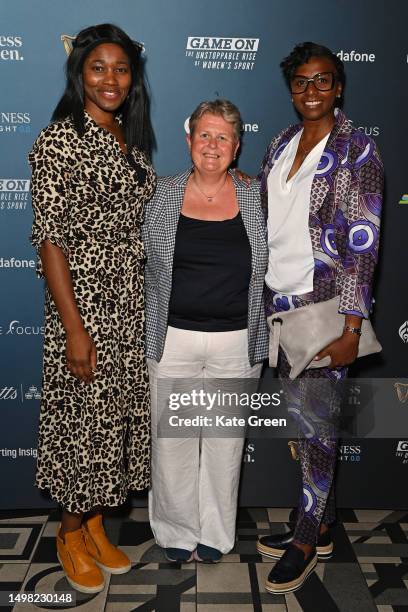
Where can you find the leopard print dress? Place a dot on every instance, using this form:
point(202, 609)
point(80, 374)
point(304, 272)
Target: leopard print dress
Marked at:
point(88, 199)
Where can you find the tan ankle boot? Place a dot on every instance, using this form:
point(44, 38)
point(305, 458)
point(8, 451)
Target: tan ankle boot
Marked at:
point(80, 569)
point(105, 554)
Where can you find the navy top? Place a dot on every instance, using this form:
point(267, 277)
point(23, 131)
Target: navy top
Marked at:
point(211, 274)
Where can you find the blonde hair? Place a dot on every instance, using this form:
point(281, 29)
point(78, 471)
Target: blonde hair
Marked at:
point(223, 108)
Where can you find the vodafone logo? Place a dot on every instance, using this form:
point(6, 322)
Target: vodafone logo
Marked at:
point(16, 263)
point(247, 127)
point(356, 56)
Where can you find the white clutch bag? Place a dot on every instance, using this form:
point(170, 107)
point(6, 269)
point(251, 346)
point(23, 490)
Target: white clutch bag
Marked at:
point(303, 332)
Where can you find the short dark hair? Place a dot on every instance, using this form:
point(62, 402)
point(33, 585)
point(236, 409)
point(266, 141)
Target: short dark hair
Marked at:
point(135, 111)
point(302, 53)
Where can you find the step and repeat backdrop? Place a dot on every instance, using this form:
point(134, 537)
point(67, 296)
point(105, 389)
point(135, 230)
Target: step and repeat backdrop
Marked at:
point(197, 51)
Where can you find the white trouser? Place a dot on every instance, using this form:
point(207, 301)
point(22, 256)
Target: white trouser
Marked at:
point(193, 497)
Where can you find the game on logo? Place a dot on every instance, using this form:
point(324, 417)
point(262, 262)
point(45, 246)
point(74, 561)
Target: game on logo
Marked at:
point(219, 53)
point(403, 332)
point(404, 199)
point(402, 451)
point(14, 193)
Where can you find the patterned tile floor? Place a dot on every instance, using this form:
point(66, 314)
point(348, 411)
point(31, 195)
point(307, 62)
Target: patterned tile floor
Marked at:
point(368, 572)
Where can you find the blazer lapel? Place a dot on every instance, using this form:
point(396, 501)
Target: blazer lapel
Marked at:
point(332, 156)
point(251, 219)
point(174, 202)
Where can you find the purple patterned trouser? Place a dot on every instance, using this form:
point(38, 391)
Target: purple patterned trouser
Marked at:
point(314, 401)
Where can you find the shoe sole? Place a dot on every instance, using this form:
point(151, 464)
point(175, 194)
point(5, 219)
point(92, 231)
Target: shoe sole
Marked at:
point(80, 587)
point(207, 561)
point(180, 560)
point(323, 552)
point(114, 570)
point(110, 570)
point(294, 585)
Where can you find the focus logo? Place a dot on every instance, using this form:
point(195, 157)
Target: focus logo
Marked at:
point(356, 56)
point(15, 328)
point(402, 451)
point(350, 454)
point(219, 53)
point(15, 123)
point(403, 332)
point(14, 193)
point(10, 48)
point(370, 130)
point(16, 263)
point(404, 198)
point(247, 127)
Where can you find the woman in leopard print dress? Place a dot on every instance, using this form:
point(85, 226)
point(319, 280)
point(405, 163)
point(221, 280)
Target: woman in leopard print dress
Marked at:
point(90, 182)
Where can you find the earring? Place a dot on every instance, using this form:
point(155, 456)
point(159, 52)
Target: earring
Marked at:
point(291, 99)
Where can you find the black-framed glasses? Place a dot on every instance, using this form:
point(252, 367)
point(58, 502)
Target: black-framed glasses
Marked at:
point(323, 81)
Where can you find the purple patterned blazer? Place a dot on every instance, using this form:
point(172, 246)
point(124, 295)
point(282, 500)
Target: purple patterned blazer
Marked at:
point(344, 215)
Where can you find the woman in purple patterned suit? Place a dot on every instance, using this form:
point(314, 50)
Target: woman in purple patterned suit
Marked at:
point(321, 183)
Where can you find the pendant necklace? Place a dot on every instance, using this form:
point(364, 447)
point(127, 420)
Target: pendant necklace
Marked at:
point(305, 153)
point(210, 198)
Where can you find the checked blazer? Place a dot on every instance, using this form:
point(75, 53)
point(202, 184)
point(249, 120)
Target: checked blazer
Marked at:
point(344, 215)
point(159, 236)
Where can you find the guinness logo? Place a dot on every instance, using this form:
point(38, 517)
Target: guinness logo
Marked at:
point(67, 41)
point(402, 391)
point(293, 447)
point(403, 332)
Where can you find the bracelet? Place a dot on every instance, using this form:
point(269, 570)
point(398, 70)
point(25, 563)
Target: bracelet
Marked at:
point(353, 330)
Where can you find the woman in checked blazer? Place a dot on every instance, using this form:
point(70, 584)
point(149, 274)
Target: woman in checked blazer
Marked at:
point(205, 239)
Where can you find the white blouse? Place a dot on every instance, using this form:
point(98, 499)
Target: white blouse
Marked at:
point(291, 263)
